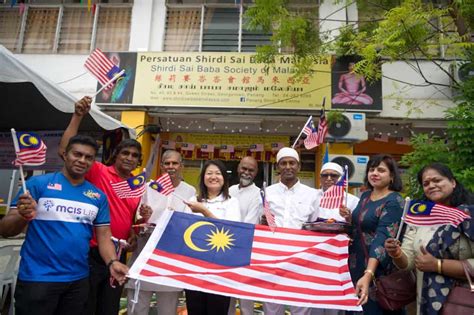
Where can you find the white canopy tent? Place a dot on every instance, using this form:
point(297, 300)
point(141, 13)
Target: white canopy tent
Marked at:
point(28, 101)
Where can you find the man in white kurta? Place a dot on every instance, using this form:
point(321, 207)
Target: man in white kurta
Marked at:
point(330, 173)
point(166, 297)
point(250, 201)
point(293, 204)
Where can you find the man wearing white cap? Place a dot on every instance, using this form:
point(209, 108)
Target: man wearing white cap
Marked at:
point(293, 204)
point(330, 173)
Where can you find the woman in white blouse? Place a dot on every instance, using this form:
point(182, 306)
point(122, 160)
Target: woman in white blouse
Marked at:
point(213, 201)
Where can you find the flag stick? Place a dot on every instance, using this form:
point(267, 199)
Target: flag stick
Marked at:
point(10, 191)
point(118, 75)
point(153, 155)
point(301, 132)
point(17, 150)
point(347, 182)
point(402, 222)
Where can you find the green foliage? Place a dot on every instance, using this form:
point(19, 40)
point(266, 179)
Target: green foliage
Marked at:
point(293, 32)
point(458, 152)
point(426, 150)
point(334, 116)
point(388, 30)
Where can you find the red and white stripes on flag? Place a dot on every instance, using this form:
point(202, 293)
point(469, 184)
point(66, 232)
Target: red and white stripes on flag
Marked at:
point(163, 185)
point(288, 266)
point(322, 127)
point(311, 140)
point(267, 212)
point(426, 213)
point(134, 187)
point(333, 197)
point(101, 67)
point(31, 149)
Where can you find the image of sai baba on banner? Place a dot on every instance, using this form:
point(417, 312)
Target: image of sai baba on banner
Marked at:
point(292, 267)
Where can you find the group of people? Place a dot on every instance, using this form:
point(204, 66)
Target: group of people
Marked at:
point(70, 265)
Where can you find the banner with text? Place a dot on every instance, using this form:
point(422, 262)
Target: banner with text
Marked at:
point(226, 80)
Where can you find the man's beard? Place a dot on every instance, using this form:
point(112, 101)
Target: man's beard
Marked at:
point(244, 182)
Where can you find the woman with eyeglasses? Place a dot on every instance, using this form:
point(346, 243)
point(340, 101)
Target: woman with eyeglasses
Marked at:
point(376, 218)
point(213, 201)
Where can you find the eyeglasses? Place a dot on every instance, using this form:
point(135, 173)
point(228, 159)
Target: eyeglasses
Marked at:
point(333, 176)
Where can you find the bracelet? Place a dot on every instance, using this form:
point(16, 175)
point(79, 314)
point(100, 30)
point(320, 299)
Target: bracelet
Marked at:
point(111, 262)
point(370, 272)
point(440, 266)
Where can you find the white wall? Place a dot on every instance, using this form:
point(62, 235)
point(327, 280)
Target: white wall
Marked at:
point(147, 34)
point(429, 101)
point(148, 25)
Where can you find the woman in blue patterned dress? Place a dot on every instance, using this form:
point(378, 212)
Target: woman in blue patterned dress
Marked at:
point(376, 218)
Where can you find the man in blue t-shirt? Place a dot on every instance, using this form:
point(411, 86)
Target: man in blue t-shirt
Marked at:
point(60, 211)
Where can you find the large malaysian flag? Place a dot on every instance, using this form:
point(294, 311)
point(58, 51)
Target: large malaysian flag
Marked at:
point(288, 266)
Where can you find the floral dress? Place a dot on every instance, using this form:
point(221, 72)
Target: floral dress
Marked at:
point(372, 223)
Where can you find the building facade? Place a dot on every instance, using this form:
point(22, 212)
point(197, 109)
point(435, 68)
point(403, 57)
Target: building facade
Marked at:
point(54, 37)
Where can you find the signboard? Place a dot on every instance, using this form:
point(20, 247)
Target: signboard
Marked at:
point(351, 91)
point(211, 79)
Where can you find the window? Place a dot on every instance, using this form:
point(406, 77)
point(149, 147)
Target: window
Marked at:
point(183, 29)
point(40, 30)
point(113, 28)
point(10, 25)
point(66, 27)
point(221, 29)
point(76, 31)
point(210, 25)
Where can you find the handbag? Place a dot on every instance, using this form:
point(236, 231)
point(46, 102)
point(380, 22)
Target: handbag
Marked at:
point(396, 290)
point(460, 300)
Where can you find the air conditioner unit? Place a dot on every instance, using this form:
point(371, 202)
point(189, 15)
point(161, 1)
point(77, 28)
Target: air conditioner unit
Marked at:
point(462, 71)
point(356, 165)
point(350, 129)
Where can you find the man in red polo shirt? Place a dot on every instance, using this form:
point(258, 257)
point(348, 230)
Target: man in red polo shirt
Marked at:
point(103, 298)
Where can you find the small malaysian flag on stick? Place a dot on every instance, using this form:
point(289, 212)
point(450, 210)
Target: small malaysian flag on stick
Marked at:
point(266, 210)
point(102, 68)
point(427, 213)
point(311, 140)
point(134, 187)
point(30, 149)
point(322, 128)
point(333, 197)
point(163, 185)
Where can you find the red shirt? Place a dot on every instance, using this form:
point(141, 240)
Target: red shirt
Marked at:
point(122, 211)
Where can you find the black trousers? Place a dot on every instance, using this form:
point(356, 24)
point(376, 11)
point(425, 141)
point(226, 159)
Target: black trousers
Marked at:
point(201, 303)
point(103, 299)
point(51, 298)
